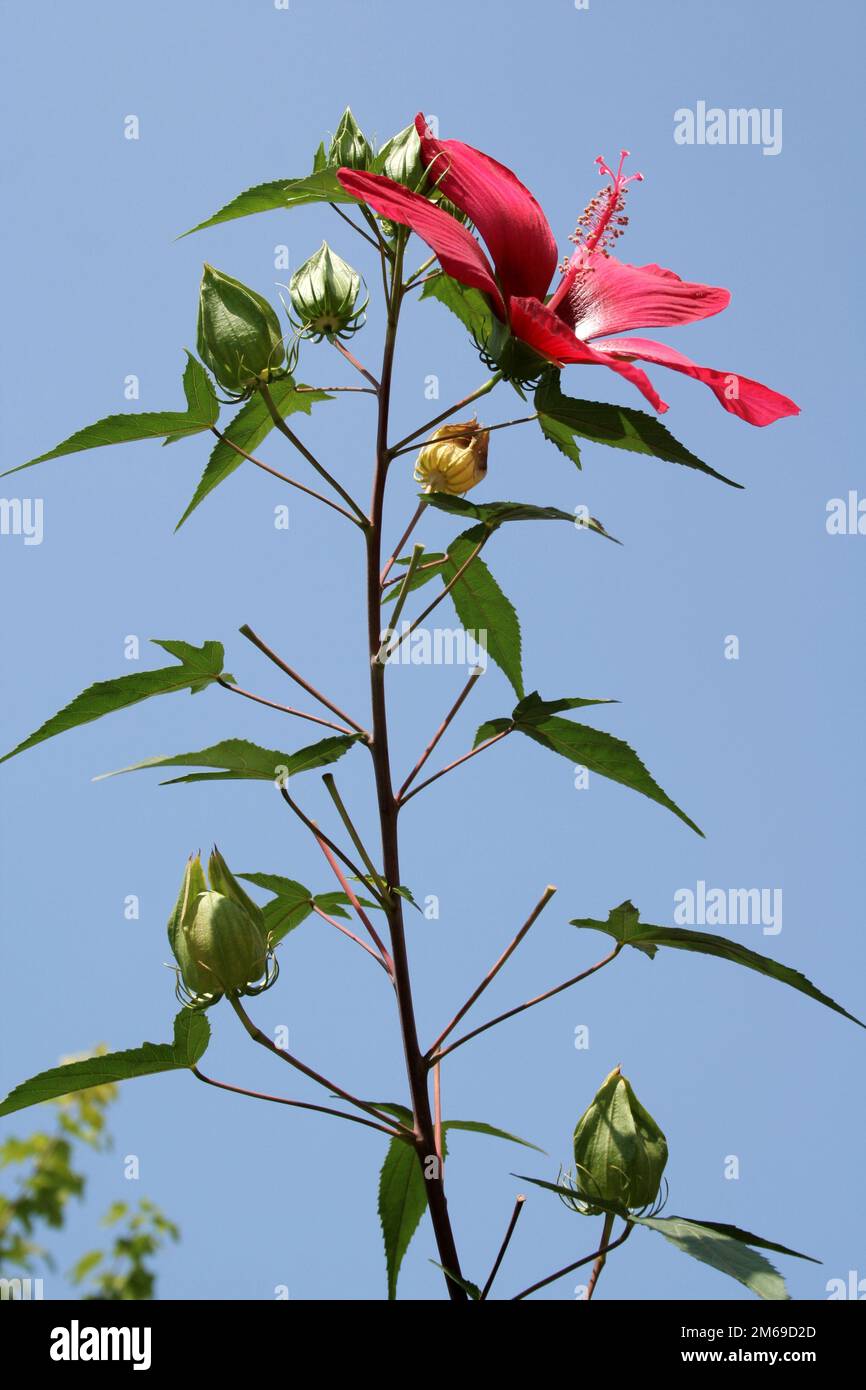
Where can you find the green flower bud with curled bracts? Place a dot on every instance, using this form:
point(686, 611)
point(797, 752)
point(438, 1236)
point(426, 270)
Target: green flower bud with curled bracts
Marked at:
point(239, 334)
point(218, 937)
point(324, 292)
point(619, 1151)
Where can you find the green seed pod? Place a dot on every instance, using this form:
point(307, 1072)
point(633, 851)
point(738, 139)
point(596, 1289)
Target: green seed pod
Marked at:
point(349, 147)
point(223, 944)
point(239, 334)
point(324, 291)
point(619, 1151)
point(400, 158)
point(222, 880)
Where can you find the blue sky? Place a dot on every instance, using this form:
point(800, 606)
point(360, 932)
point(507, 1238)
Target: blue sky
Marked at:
point(765, 752)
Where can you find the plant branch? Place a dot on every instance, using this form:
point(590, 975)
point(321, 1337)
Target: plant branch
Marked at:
point(603, 1248)
point(293, 439)
point(284, 709)
point(475, 395)
point(385, 649)
point(530, 1003)
point(416, 1069)
point(264, 1041)
point(542, 1283)
point(353, 361)
point(493, 971)
point(473, 752)
point(355, 228)
point(320, 835)
point(436, 601)
point(351, 935)
point(353, 899)
point(246, 631)
point(331, 787)
point(480, 429)
point(464, 694)
point(409, 284)
point(402, 541)
point(299, 1104)
point(518, 1208)
point(292, 482)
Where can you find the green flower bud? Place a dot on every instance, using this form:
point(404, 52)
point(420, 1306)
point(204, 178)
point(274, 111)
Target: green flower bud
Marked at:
point(349, 147)
point(218, 937)
point(619, 1151)
point(400, 158)
point(239, 334)
point(224, 945)
point(222, 880)
point(324, 291)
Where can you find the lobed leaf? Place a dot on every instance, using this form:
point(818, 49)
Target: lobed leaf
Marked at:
point(199, 666)
point(237, 759)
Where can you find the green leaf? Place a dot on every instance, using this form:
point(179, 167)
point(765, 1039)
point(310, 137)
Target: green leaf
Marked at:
point(322, 186)
point(291, 905)
point(249, 427)
point(748, 1238)
point(199, 666)
point(592, 748)
point(472, 1289)
point(482, 607)
point(478, 1127)
point(191, 1037)
point(604, 754)
point(402, 1202)
point(495, 514)
point(201, 414)
point(240, 760)
point(623, 925)
point(469, 305)
point(562, 418)
point(716, 1247)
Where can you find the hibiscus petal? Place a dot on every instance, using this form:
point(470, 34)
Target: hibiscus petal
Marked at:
point(599, 295)
point(457, 249)
point(506, 214)
point(748, 399)
point(536, 325)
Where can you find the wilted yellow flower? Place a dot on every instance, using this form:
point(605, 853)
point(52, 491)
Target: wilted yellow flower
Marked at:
point(455, 459)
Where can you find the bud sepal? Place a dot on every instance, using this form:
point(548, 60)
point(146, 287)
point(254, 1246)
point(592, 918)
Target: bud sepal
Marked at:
point(218, 938)
point(619, 1153)
point(239, 334)
point(324, 292)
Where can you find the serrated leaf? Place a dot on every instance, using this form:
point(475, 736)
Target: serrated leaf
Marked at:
point(249, 427)
point(494, 514)
point(237, 759)
point(722, 1251)
point(479, 1127)
point(466, 1284)
point(199, 666)
point(402, 1203)
point(563, 417)
point(623, 924)
point(122, 429)
point(482, 607)
point(191, 1037)
point(533, 710)
point(469, 305)
point(291, 905)
point(602, 753)
point(322, 186)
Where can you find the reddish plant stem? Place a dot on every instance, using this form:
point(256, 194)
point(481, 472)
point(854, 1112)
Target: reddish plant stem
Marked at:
point(473, 752)
point(416, 1066)
point(284, 709)
point(402, 541)
point(246, 631)
point(560, 1273)
point(518, 1208)
point(465, 692)
point(530, 1004)
point(494, 970)
point(603, 1249)
point(353, 899)
point(284, 477)
point(351, 359)
point(351, 935)
point(299, 1104)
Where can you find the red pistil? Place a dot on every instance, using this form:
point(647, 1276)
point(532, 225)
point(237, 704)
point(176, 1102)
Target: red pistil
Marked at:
point(603, 221)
